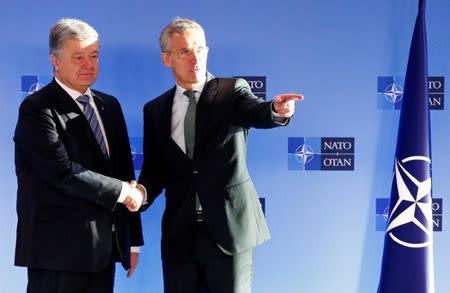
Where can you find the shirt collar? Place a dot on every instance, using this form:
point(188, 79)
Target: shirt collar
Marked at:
point(73, 93)
point(179, 93)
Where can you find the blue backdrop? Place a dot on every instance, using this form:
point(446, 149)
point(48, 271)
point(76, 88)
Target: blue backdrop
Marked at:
point(339, 54)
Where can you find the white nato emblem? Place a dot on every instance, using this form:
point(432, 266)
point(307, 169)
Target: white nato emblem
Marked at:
point(133, 152)
point(414, 197)
point(385, 214)
point(393, 93)
point(304, 154)
point(35, 87)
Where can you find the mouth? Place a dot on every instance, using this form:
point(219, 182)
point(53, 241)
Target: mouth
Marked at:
point(196, 69)
point(86, 74)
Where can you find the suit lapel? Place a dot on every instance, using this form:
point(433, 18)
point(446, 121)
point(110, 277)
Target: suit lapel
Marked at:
point(71, 113)
point(204, 105)
point(65, 101)
point(107, 118)
point(165, 111)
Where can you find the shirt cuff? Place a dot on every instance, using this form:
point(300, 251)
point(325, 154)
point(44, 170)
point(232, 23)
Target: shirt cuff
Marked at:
point(277, 118)
point(136, 249)
point(144, 196)
point(126, 189)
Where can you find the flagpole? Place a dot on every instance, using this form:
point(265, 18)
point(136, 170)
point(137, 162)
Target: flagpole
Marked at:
point(407, 264)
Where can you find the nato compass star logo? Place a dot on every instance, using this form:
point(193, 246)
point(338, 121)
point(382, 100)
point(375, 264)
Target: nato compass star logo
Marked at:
point(410, 222)
point(136, 152)
point(385, 214)
point(301, 154)
point(390, 92)
point(304, 154)
point(30, 84)
point(393, 92)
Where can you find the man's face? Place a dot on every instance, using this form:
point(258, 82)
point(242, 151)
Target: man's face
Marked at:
point(77, 64)
point(187, 57)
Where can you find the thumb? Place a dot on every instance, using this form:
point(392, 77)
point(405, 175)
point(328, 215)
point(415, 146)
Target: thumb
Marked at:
point(130, 272)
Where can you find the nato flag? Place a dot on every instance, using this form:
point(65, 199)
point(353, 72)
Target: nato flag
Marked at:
point(408, 245)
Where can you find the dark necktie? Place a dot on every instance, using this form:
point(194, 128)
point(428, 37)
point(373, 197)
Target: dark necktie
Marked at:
point(189, 134)
point(189, 123)
point(93, 122)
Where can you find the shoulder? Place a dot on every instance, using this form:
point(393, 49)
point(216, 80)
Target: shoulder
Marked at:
point(107, 98)
point(41, 99)
point(160, 100)
point(231, 83)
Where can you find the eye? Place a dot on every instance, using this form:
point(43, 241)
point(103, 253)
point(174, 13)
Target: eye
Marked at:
point(183, 53)
point(77, 59)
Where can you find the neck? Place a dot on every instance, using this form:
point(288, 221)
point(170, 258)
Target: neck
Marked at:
point(190, 86)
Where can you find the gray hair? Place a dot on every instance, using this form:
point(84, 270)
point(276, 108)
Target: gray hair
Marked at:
point(69, 28)
point(177, 25)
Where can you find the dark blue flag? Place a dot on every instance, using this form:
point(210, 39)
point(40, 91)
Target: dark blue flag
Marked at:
point(408, 245)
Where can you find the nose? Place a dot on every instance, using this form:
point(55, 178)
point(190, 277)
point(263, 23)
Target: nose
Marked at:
point(194, 56)
point(88, 62)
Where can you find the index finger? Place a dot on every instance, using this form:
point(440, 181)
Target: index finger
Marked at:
point(290, 97)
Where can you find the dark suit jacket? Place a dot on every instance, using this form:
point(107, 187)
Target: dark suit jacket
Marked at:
point(67, 189)
point(218, 172)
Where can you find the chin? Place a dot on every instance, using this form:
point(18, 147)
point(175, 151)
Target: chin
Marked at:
point(199, 77)
point(87, 82)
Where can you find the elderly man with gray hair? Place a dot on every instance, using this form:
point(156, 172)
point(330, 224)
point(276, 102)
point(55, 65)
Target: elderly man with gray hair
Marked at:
point(76, 210)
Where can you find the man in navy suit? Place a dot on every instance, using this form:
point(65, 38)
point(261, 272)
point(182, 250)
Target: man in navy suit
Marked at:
point(76, 210)
point(195, 147)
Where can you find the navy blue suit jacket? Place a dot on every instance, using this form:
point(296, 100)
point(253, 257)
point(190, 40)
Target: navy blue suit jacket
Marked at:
point(67, 190)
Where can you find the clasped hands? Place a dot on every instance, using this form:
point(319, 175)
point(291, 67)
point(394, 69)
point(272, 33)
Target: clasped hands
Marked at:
point(135, 196)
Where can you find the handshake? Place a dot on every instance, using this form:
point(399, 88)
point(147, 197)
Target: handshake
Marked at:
point(135, 196)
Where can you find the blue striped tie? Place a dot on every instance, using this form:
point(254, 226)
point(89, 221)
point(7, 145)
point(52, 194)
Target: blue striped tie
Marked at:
point(93, 121)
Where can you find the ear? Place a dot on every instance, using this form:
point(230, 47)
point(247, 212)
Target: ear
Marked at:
point(55, 61)
point(166, 59)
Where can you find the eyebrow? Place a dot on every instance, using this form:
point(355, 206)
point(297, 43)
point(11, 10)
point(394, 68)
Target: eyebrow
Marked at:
point(82, 53)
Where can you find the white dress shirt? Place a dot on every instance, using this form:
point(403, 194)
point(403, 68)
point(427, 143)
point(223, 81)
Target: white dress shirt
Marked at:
point(179, 108)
